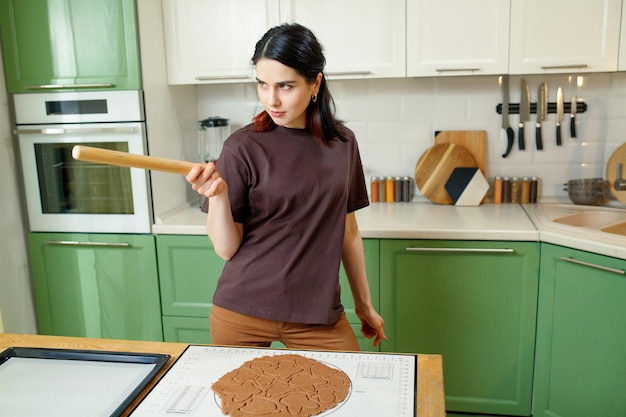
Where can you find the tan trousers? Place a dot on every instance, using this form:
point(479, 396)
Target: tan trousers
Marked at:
point(229, 328)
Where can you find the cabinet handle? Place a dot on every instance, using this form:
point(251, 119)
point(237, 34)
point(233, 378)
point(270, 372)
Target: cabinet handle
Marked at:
point(59, 131)
point(222, 77)
point(344, 73)
point(456, 69)
point(590, 265)
point(67, 86)
point(78, 243)
point(573, 66)
point(462, 250)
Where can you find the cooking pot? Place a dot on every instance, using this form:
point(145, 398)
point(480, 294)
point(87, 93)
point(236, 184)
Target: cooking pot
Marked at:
point(587, 191)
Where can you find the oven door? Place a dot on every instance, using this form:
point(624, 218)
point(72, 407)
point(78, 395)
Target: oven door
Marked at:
point(66, 195)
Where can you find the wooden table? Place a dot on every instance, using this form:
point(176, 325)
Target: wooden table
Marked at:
point(430, 392)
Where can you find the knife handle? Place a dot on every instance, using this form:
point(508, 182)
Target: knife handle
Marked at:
point(521, 141)
point(558, 134)
point(510, 135)
point(538, 139)
point(572, 126)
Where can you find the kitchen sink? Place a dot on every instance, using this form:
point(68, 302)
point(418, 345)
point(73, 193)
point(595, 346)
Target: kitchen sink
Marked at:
point(599, 223)
point(592, 219)
point(596, 229)
point(618, 229)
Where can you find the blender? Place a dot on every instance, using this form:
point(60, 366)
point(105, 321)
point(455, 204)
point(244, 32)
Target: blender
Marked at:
point(211, 136)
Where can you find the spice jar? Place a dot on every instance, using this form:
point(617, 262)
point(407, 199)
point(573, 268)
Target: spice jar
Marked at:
point(534, 185)
point(406, 189)
point(397, 194)
point(382, 189)
point(389, 190)
point(497, 190)
point(506, 190)
point(374, 190)
point(515, 190)
point(525, 193)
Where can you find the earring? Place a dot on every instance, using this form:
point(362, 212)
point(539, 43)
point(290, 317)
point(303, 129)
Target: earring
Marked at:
point(314, 98)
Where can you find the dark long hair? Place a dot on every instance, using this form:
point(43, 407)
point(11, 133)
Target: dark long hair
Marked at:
point(297, 47)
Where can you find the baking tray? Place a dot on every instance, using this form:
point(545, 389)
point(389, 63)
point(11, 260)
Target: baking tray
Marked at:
point(60, 382)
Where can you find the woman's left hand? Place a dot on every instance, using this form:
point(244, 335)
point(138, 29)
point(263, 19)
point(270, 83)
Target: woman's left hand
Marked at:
point(372, 325)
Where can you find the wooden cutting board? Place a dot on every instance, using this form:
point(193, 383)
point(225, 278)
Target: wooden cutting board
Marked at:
point(434, 167)
point(618, 157)
point(474, 141)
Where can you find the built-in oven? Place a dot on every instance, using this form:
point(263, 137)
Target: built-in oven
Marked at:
point(66, 195)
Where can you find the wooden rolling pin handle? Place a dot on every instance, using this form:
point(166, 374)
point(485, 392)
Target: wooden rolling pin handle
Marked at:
point(125, 159)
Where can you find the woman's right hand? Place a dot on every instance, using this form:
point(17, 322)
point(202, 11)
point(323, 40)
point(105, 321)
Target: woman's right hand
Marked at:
point(206, 180)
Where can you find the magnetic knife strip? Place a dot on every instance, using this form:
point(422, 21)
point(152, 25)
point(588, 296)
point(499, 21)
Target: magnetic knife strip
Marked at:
point(581, 107)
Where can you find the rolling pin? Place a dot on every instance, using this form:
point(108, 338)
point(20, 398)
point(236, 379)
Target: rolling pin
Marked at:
point(125, 159)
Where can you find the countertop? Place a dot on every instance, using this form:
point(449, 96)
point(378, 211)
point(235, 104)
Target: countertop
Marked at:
point(426, 220)
point(414, 220)
point(430, 387)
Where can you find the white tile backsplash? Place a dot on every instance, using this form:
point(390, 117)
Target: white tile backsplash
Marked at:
point(395, 120)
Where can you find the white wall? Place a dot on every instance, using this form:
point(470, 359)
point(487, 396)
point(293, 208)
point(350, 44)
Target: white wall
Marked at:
point(170, 111)
point(395, 120)
point(16, 300)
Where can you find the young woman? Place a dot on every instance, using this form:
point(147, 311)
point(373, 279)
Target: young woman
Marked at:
point(280, 210)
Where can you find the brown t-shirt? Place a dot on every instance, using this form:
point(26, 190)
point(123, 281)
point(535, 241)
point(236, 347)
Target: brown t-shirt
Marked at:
point(292, 194)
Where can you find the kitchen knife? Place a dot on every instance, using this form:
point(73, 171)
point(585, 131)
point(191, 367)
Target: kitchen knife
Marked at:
point(505, 116)
point(524, 114)
point(542, 104)
point(573, 111)
point(560, 113)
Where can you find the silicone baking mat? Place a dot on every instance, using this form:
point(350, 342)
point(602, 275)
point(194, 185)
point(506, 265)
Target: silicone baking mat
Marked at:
point(382, 384)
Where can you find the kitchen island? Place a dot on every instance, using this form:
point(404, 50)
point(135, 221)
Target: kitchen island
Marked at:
point(430, 388)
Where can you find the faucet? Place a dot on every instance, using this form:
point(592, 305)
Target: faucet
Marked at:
point(620, 183)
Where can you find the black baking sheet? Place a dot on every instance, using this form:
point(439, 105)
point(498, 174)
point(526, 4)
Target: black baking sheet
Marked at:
point(62, 382)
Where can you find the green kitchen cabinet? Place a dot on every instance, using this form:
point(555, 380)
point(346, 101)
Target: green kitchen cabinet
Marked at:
point(189, 270)
point(96, 285)
point(371, 249)
point(581, 339)
point(186, 329)
point(68, 45)
point(473, 302)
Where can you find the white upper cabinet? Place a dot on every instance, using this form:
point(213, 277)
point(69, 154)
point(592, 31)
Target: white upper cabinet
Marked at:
point(564, 36)
point(211, 41)
point(457, 37)
point(361, 38)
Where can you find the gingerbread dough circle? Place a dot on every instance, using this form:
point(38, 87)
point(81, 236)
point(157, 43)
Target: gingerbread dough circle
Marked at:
point(281, 385)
